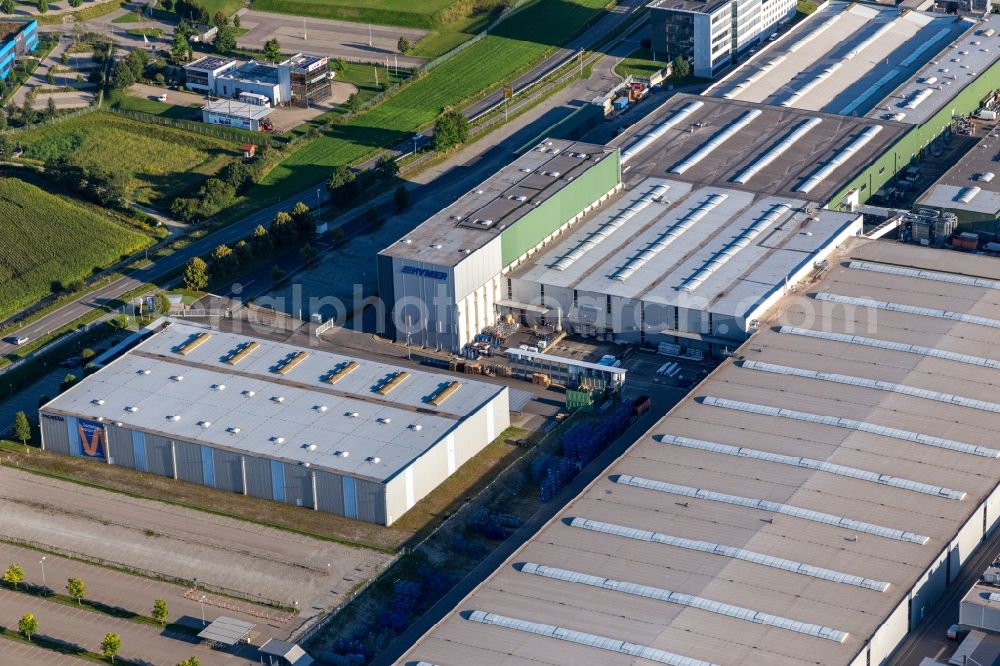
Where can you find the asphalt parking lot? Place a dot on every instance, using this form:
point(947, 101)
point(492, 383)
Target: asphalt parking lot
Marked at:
point(337, 39)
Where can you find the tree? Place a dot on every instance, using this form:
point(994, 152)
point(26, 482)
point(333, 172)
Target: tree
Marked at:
point(450, 129)
point(681, 67)
point(372, 217)
point(402, 197)
point(272, 50)
point(196, 274)
point(86, 354)
point(160, 611)
point(184, 209)
point(283, 229)
point(308, 253)
point(167, 5)
point(224, 260)
point(27, 625)
point(50, 107)
point(22, 427)
point(403, 45)
point(76, 588)
point(343, 185)
point(122, 76)
point(67, 381)
point(75, 3)
point(220, 20)
point(243, 251)
point(14, 574)
point(190, 661)
point(8, 6)
point(110, 646)
point(277, 273)
point(236, 21)
point(43, 6)
point(6, 146)
point(225, 39)
point(386, 168)
point(260, 240)
point(305, 223)
point(180, 50)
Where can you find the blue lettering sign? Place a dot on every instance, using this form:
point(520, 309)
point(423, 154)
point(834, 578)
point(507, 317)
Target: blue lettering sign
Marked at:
point(424, 272)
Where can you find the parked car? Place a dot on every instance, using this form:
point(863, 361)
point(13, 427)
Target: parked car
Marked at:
point(162, 98)
point(16, 339)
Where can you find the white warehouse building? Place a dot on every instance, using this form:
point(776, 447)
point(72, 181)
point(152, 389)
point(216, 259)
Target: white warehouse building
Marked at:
point(333, 433)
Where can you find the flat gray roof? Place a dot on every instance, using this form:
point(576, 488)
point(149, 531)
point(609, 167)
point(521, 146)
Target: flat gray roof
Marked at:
point(227, 631)
point(791, 240)
point(681, 483)
point(844, 59)
point(238, 109)
point(955, 67)
point(970, 172)
point(695, 6)
point(478, 217)
point(213, 396)
point(825, 137)
point(258, 72)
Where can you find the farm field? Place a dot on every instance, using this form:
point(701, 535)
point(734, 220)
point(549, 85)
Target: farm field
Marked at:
point(162, 161)
point(518, 42)
point(414, 13)
point(47, 240)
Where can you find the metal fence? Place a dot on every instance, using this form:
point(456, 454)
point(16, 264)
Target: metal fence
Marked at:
point(191, 126)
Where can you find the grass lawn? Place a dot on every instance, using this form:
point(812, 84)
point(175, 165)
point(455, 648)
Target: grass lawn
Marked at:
point(145, 32)
point(413, 13)
point(123, 100)
point(162, 161)
point(517, 43)
point(131, 17)
point(640, 63)
point(48, 240)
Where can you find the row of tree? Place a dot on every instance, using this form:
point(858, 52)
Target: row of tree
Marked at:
point(76, 588)
point(286, 230)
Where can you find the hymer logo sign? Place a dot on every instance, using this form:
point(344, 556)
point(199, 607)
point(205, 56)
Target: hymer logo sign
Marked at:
point(423, 272)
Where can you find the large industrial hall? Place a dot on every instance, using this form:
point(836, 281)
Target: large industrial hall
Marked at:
point(805, 504)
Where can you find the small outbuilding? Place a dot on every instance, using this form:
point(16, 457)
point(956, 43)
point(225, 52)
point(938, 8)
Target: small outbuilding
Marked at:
point(283, 653)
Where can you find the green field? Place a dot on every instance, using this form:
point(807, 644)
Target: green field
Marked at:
point(162, 161)
point(640, 63)
point(413, 13)
point(47, 240)
point(511, 49)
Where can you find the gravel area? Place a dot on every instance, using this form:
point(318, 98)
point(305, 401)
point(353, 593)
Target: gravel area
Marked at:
point(182, 543)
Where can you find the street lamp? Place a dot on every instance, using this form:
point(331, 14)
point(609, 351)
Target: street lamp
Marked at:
point(201, 600)
point(42, 562)
point(416, 137)
point(318, 204)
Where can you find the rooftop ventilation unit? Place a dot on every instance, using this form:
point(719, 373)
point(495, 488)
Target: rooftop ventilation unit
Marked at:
point(721, 550)
point(177, 378)
point(444, 393)
point(416, 427)
point(97, 401)
point(716, 141)
point(242, 353)
point(278, 440)
point(343, 454)
point(384, 420)
point(373, 459)
point(193, 343)
point(218, 387)
point(311, 447)
point(205, 424)
point(341, 371)
point(142, 372)
point(289, 365)
point(248, 393)
point(233, 430)
point(352, 415)
point(132, 408)
point(392, 382)
point(278, 398)
point(609, 227)
point(672, 233)
point(320, 408)
point(174, 417)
